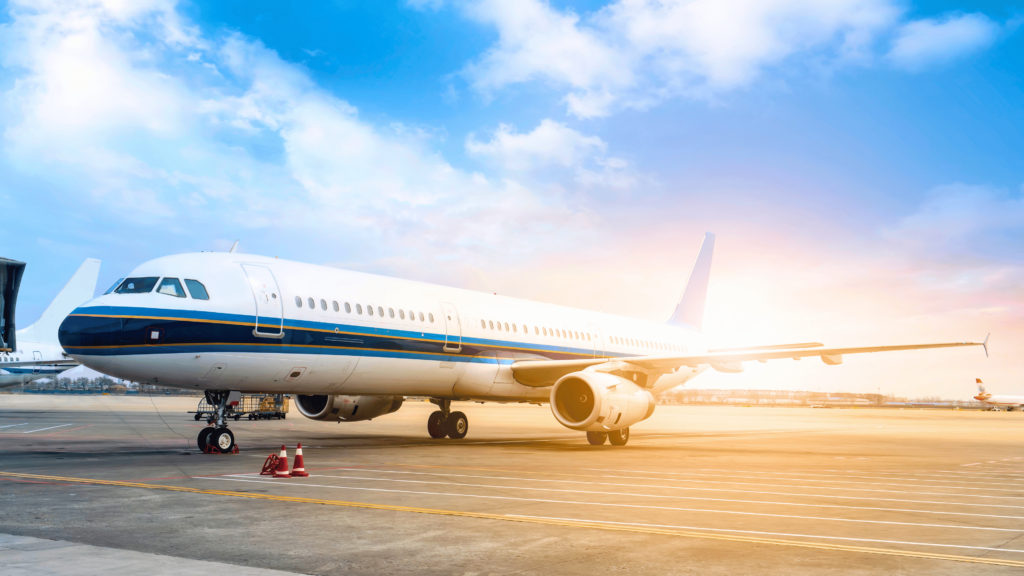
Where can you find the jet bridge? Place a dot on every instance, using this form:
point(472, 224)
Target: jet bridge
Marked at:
point(11, 272)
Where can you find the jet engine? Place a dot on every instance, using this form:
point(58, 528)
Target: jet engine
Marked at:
point(347, 408)
point(599, 402)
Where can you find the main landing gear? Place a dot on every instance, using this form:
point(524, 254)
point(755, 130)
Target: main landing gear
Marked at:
point(217, 435)
point(616, 437)
point(444, 422)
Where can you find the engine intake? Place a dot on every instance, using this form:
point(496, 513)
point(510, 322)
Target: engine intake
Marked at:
point(337, 408)
point(599, 402)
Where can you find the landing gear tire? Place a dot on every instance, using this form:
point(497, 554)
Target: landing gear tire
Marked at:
point(202, 441)
point(199, 415)
point(619, 437)
point(435, 425)
point(597, 438)
point(221, 439)
point(457, 425)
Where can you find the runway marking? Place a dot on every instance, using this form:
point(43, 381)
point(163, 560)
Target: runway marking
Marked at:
point(544, 501)
point(972, 496)
point(538, 520)
point(631, 494)
point(851, 474)
point(68, 430)
point(807, 480)
point(50, 428)
point(786, 534)
point(592, 483)
point(11, 425)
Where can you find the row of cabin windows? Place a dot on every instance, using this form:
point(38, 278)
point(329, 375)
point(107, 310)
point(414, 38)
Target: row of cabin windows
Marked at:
point(167, 286)
point(369, 309)
point(647, 344)
point(537, 330)
point(9, 359)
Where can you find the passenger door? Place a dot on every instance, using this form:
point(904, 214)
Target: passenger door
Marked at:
point(269, 307)
point(37, 357)
point(453, 328)
point(595, 331)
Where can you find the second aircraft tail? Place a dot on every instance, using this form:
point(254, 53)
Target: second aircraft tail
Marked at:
point(80, 289)
point(690, 310)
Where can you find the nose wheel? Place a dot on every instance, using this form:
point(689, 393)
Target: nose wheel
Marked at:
point(217, 435)
point(444, 422)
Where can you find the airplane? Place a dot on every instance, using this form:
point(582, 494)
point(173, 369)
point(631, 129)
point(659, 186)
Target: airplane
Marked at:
point(351, 346)
point(35, 352)
point(1008, 402)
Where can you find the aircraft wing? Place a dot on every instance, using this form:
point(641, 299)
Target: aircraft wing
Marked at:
point(545, 373)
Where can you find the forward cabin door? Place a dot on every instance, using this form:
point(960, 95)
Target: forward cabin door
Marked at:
point(453, 328)
point(269, 306)
point(595, 332)
point(36, 357)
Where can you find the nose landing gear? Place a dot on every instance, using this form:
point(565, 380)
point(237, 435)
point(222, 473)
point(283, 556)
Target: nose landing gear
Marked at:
point(217, 435)
point(444, 422)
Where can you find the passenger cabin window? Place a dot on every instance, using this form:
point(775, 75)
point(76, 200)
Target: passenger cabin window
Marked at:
point(298, 301)
point(197, 290)
point(401, 314)
point(380, 311)
point(431, 317)
point(359, 309)
point(391, 312)
point(421, 316)
point(323, 304)
point(335, 305)
point(412, 315)
point(116, 284)
point(483, 324)
point(348, 308)
point(138, 285)
point(312, 304)
point(171, 287)
point(369, 310)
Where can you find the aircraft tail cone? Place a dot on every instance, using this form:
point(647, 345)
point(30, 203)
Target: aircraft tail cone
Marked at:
point(282, 465)
point(298, 466)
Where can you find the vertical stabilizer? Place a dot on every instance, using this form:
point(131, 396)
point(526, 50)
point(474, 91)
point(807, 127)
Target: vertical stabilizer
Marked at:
point(80, 289)
point(690, 311)
point(981, 387)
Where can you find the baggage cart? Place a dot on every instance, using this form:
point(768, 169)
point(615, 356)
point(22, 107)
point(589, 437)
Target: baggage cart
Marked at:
point(250, 406)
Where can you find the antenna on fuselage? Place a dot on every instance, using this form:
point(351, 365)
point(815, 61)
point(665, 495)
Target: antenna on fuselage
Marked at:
point(233, 247)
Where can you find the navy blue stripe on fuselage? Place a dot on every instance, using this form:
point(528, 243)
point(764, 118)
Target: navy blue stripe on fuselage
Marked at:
point(126, 331)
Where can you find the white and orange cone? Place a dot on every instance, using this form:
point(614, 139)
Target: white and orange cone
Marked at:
point(298, 466)
point(282, 465)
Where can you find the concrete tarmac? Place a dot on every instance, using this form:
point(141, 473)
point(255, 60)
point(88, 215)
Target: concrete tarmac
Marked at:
point(698, 490)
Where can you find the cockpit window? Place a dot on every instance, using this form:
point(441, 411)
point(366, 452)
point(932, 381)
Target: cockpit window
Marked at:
point(196, 289)
point(171, 287)
point(137, 285)
point(116, 284)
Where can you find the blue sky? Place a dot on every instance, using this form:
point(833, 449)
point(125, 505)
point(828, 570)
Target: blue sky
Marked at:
point(861, 160)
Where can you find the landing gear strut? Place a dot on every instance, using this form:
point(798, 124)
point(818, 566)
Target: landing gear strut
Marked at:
point(217, 434)
point(444, 422)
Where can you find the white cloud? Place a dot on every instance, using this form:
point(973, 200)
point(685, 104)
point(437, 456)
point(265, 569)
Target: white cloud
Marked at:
point(550, 143)
point(925, 42)
point(114, 105)
point(636, 53)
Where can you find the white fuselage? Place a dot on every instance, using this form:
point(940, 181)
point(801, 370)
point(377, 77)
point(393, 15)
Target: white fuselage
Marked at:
point(1001, 400)
point(27, 363)
point(316, 333)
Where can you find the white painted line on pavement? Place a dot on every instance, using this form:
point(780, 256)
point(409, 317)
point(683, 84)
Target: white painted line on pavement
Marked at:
point(50, 428)
point(638, 506)
point(770, 533)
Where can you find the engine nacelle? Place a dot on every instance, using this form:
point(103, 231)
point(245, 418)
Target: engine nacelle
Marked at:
point(599, 402)
point(347, 408)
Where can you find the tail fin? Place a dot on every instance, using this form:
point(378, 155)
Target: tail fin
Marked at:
point(690, 310)
point(981, 387)
point(76, 292)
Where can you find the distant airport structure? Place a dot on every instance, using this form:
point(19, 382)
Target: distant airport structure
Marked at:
point(35, 352)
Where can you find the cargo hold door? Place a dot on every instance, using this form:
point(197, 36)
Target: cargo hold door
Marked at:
point(269, 308)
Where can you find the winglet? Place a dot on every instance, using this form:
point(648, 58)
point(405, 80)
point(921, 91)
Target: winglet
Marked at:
point(690, 310)
point(233, 247)
point(985, 346)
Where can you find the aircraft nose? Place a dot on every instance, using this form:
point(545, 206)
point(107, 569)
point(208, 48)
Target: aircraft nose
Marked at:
point(80, 332)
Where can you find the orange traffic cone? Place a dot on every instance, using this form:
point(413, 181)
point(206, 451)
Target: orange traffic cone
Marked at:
point(282, 465)
point(298, 466)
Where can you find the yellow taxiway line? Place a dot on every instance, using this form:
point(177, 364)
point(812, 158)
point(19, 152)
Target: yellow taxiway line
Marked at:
point(529, 520)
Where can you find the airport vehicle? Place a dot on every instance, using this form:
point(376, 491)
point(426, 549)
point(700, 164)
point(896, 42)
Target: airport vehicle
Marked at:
point(351, 345)
point(34, 352)
point(251, 406)
point(997, 401)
